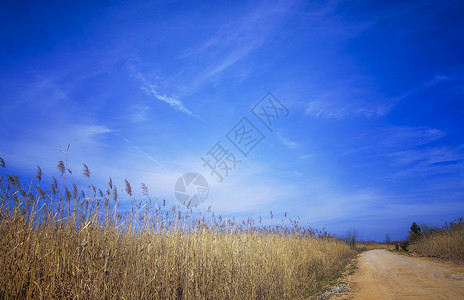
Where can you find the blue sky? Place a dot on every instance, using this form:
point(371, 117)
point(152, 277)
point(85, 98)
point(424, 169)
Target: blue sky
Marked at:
point(143, 89)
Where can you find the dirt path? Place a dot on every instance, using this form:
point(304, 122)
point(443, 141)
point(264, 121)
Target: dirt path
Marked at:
point(385, 275)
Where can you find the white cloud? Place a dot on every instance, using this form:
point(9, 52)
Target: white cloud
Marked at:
point(329, 106)
point(88, 133)
point(138, 113)
point(173, 102)
point(137, 148)
point(287, 142)
point(415, 151)
point(408, 136)
point(429, 161)
point(234, 41)
point(150, 88)
point(345, 100)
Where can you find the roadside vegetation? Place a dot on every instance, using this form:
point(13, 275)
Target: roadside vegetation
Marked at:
point(59, 242)
point(373, 245)
point(446, 241)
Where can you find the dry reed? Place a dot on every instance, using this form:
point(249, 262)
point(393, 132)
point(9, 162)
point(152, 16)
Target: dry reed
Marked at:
point(66, 243)
point(447, 241)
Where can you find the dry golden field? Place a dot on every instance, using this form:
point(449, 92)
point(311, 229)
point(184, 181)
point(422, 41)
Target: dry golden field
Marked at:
point(372, 245)
point(447, 241)
point(60, 243)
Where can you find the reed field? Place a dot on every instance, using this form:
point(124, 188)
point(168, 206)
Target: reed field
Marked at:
point(446, 241)
point(58, 242)
point(372, 245)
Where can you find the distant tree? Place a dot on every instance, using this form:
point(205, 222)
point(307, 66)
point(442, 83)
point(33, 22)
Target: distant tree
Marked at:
point(428, 230)
point(351, 237)
point(415, 232)
point(387, 239)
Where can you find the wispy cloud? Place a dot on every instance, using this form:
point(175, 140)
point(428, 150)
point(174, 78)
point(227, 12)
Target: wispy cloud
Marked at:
point(202, 62)
point(395, 137)
point(90, 133)
point(87, 142)
point(429, 161)
point(151, 89)
point(235, 40)
point(345, 102)
point(337, 108)
point(441, 77)
point(286, 141)
point(347, 99)
point(417, 151)
point(138, 113)
point(37, 92)
point(456, 78)
point(305, 157)
point(173, 102)
point(141, 151)
point(251, 190)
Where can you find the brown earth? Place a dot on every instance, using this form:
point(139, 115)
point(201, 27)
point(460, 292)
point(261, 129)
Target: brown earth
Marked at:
point(385, 275)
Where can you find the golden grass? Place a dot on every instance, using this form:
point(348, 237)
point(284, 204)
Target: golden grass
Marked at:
point(447, 241)
point(64, 243)
point(372, 245)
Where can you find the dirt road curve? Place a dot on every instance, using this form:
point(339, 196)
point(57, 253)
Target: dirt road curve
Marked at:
point(385, 275)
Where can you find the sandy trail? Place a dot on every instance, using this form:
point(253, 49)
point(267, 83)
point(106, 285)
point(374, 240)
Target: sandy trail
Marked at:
point(385, 275)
